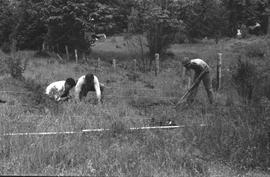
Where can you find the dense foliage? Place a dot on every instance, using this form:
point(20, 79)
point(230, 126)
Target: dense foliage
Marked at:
point(68, 22)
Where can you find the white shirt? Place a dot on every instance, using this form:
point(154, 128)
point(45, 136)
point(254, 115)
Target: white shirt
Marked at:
point(198, 65)
point(80, 83)
point(199, 62)
point(55, 90)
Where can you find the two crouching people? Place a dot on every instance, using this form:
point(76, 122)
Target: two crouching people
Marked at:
point(59, 90)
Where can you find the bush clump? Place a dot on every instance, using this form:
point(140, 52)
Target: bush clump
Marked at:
point(245, 79)
point(256, 49)
point(16, 66)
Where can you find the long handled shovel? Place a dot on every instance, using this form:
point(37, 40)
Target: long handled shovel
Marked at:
point(182, 99)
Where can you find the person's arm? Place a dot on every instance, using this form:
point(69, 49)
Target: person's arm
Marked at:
point(97, 88)
point(64, 98)
point(102, 87)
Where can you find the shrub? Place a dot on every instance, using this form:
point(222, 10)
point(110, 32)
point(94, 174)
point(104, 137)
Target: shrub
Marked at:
point(38, 100)
point(245, 78)
point(41, 54)
point(16, 66)
point(256, 49)
point(5, 47)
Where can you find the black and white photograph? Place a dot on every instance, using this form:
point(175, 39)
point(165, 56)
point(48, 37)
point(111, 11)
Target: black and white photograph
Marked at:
point(135, 88)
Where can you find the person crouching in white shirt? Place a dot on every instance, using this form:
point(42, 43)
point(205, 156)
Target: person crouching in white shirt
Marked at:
point(59, 90)
point(86, 83)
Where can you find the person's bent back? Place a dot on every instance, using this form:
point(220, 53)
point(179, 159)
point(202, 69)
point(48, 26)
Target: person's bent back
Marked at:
point(86, 83)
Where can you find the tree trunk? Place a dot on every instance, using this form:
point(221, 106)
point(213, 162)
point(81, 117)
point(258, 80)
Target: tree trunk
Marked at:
point(268, 25)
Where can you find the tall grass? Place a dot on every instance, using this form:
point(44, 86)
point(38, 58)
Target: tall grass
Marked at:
point(236, 134)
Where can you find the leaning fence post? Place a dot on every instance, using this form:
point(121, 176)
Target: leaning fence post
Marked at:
point(219, 62)
point(157, 64)
point(135, 65)
point(114, 64)
point(76, 55)
point(67, 53)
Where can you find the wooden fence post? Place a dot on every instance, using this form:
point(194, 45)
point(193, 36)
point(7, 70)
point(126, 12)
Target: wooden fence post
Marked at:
point(13, 47)
point(189, 82)
point(114, 64)
point(84, 57)
point(157, 64)
point(219, 62)
point(185, 81)
point(183, 72)
point(43, 46)
point(184, 69)
point(98, 65)
point(67, 53)
point(135, 65)
point(76, 55)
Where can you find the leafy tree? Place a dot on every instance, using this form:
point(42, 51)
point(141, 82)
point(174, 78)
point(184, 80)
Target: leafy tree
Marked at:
point(108, 18)
point(202, 18)
point(66, 21)
point(6, 23)
point(155, 20)
point(29, 30)
point(246, 12)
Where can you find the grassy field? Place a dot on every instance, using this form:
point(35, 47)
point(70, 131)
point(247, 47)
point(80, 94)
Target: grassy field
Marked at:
point(225, 148)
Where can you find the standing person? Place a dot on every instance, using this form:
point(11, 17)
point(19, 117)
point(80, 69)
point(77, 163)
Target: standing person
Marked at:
point(86, 83)
point(199, 66)
point(59, 90)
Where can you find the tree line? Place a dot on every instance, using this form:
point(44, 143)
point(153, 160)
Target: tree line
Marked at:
point(71, 22)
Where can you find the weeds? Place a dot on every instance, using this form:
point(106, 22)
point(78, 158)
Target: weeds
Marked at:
point(256, 49)
point(245, 79)
point(240, 137)
point(16, 65)
point(235, 135)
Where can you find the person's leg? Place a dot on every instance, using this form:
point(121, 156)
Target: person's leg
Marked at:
point(208, 86)
point(102, 86)
point(194, 91)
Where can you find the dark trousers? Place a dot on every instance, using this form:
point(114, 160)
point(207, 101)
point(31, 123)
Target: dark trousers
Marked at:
point(207, 85)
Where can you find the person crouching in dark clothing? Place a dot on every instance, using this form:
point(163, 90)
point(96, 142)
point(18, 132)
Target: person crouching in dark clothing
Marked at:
point(199, 66)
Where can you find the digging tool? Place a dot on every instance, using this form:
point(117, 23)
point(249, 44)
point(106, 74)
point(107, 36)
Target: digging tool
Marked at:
point(191, 88)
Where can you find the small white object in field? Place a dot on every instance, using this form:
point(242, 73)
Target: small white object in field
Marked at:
point(258, 24)
point(239, 34)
